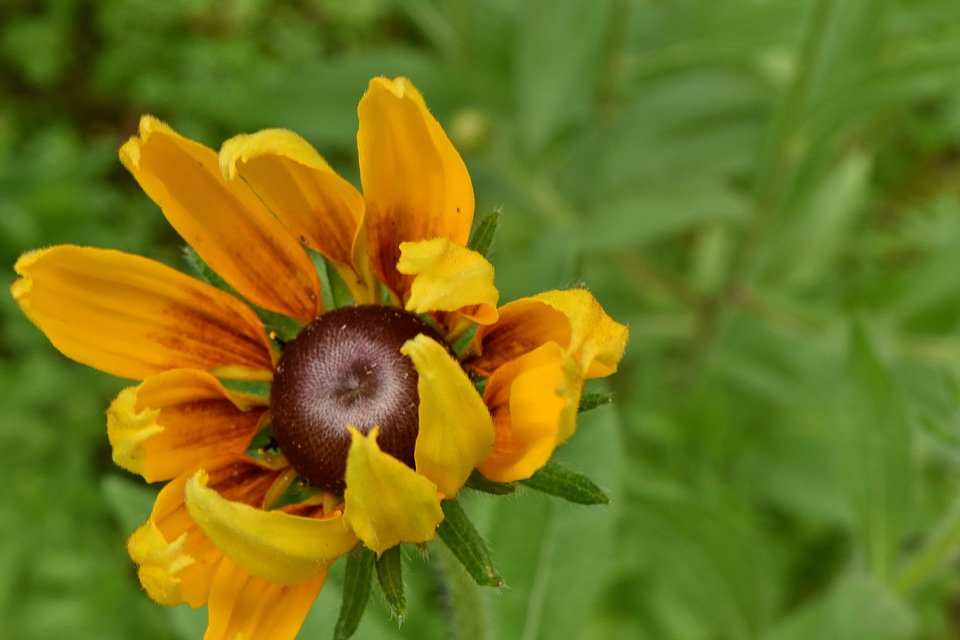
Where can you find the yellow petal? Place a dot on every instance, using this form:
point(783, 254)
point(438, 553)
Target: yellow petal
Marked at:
point(449, 277)
point(415, 184)
point(159, 563)
point(387, 502)
point(456, 431)
point(271, 545)
point(176, 561)
point(246, 607)
point(173, 420)
point(231, 229)
point(598, 340)
point(318, 207)
point(133, 317)
point(534, 404)
point(572, 318)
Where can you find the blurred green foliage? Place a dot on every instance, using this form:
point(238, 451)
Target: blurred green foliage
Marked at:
point(765, 191)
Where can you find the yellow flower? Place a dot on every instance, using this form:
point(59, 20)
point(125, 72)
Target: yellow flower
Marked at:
point(369, 403)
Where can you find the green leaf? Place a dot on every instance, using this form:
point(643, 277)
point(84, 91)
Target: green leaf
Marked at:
point(874, 449)
point(710, 557)
point(478, 482)
point(856, 606)
point(554, 68)
point(590, 401)
point(356, 591)
point(559, 560)
point(130, 501)
point(482, 237)
point(463, 539)
point(564, 483)
point(390, 576)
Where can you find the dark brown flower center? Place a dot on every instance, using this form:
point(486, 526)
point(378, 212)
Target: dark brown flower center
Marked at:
point(344, 368)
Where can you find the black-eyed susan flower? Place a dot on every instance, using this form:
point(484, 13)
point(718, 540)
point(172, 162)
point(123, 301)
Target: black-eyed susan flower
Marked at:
point(324, 395)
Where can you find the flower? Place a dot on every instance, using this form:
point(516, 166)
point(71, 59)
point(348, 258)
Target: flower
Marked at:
point(282, 453)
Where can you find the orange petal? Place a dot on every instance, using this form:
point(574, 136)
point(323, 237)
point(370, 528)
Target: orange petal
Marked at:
point(176, 561)
point(318, 207)
point(243, 606)
point(174, 420)
point(387, 502)
point(133, 317)
point(533, 400)
point(449, 277)
point(572, 318)
point(415, 184)
point(230, 228)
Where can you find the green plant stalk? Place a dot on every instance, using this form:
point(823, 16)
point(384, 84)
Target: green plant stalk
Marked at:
point(944, 543)
point(770, 190)
point(466, 615)
point(541, 580)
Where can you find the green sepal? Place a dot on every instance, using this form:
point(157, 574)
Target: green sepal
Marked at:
point(262, 445)
point(569, 485)
point(482, 237)
point(465, 542)
point(478, 482)
point(464, 341)
point(334, 292)
point(204, 272)
point(258, 388)
point(390, 576)
point(356, 591)
point(590, 401)
point(298, 491)
point(480, 385)
point(278, 326)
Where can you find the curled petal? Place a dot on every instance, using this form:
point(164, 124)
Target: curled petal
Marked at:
point(318, 207)
point(176, 561)
point(415, 184)
point(449, 277)
point(174, 420)
point(224, 221)
point(387, 502)
point(572, 318)
point(456, 431)
point(244, 606)
point(598, 340)
point(533, 400)
point(159, 563)
point(271, 545)
point(133, 317)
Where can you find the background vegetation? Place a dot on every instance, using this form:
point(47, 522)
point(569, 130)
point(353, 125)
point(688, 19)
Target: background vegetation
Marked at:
point(766, 191)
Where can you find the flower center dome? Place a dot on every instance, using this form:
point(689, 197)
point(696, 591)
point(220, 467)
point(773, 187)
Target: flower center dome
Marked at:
point(345, 368)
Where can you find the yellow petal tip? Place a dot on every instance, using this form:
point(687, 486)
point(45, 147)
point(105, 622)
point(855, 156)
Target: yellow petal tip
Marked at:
point(129, 430)
point(387, 502)
point(158, 562)
point(130, 150)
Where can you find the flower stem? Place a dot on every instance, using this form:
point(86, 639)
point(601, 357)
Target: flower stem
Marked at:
point(467, 617)
point(772, 186)
point(944, 543)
